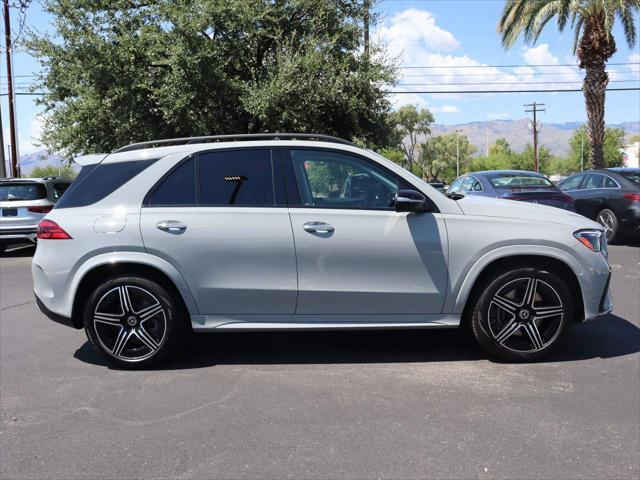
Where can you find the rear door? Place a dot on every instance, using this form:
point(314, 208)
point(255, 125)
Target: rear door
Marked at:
point(355, 254)
point(574, 186)
point(220, 218)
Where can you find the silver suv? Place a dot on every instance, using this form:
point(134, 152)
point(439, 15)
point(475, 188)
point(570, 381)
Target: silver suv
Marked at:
point(23, 203)
point(285, 232)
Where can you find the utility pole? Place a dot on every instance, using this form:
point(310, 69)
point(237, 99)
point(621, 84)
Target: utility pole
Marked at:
point(535, 108)
point(11, 96)
point(457, 153)
point(3, 163)
point(366, 28)
point(582, 152)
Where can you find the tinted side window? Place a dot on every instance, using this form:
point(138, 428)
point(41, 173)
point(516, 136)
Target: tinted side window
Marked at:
point(236, 177)
point(177, 188)
point(329, 179)
point(610, 183)
point(594, 180)
point(100, 181)
point(455, 186)
point(572, 183)
point(58, 189)
point(467, 184)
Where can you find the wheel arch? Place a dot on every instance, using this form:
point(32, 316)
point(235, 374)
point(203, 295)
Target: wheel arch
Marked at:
point(501, 263)
point(94, 275)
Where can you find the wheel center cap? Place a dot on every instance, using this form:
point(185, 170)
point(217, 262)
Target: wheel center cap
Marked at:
point(524, 314)
point(132, 321)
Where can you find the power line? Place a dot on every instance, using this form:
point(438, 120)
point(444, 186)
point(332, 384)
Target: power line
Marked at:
point(509, 83)
point(512, 66)
point(502, 74)
point(552, 90)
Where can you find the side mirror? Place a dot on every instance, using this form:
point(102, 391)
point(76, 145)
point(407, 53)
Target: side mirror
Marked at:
point(410, 201)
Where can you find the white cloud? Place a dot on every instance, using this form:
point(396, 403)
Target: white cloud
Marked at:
point(416, 41)
point(498, 116)
point(412, 30)
point(446, 109)
point(28, 143)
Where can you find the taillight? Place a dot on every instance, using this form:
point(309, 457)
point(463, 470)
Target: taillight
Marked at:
point(40, 209)
point(563, 198)
point(634, 197)
point(50, 230)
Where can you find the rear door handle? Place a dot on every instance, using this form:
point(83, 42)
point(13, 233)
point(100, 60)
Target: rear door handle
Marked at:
point(171, 226)
point(318, 227)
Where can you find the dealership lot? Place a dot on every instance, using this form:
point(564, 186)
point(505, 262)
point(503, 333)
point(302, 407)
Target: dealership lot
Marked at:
point(411, 404)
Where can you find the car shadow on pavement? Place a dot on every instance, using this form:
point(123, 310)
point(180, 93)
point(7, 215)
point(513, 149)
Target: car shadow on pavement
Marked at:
point(606, 337)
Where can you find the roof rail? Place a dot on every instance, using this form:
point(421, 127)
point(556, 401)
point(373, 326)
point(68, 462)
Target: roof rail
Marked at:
point(238, 137)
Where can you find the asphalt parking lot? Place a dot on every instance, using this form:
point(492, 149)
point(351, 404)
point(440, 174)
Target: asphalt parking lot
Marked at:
point(411, 404)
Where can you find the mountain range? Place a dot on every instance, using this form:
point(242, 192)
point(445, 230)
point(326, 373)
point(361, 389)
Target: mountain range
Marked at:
point(554, 136)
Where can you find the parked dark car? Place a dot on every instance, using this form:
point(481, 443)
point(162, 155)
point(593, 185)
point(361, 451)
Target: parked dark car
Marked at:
point(512, 185)
point(609, 196)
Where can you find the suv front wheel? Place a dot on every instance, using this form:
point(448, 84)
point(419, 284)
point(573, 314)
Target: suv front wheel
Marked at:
point(133, 322)
point(522, 314)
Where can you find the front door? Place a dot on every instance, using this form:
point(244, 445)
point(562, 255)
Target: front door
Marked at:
point(355, 254)
point(218, 220)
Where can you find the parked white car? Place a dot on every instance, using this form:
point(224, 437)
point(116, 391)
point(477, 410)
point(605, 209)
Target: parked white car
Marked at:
point(285, 232)
point(23, 203)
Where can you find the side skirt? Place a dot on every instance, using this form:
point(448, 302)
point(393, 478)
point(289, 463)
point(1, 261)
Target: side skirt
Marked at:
point(207, 323)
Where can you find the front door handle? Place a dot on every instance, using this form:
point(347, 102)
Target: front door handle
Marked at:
point(318, 227)
point(171, 226)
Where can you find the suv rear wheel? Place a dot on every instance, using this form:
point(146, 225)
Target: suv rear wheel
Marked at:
point(133, 322)
point(522, 314)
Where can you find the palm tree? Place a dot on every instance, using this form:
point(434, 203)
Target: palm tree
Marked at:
point(592, 22)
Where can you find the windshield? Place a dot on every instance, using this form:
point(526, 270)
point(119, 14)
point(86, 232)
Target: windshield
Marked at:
point(506, 180)
point(633, 176)
point(22, 191)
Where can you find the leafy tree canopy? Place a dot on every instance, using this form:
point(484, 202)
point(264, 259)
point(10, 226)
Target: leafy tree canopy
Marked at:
point(409, 123)
point(120, 71)
point(65, 171)
point(439, 156)
point(611, 147)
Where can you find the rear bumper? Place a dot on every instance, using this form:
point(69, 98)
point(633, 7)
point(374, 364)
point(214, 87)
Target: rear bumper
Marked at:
point(18, 233)
point(55, 316)
point(630, 222)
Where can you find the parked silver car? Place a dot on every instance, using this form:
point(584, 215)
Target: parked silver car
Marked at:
point(23, 203)
point(285, 232)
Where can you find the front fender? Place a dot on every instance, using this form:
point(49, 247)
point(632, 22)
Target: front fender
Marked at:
point(456, 302)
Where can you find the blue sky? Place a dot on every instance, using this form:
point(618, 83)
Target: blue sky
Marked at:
point(457, 35)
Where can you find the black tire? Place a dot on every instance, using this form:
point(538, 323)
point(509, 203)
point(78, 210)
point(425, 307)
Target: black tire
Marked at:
point(506, 329)
point(139, 335)
point(608, 219)
point(3, 246)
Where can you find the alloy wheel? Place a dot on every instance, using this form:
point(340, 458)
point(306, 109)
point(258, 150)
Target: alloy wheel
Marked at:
point(608, 222)
point(525, 315)
point(130, 322)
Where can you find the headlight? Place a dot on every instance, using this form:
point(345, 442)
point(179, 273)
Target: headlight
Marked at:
point(594, 240)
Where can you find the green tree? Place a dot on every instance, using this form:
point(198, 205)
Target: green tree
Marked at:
point(525, 159)
point(409, 123)
point(394, 154)
point(592, 22)
point(438, 158)
point(612, 150)
point(120, 71)
point(65, 171)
